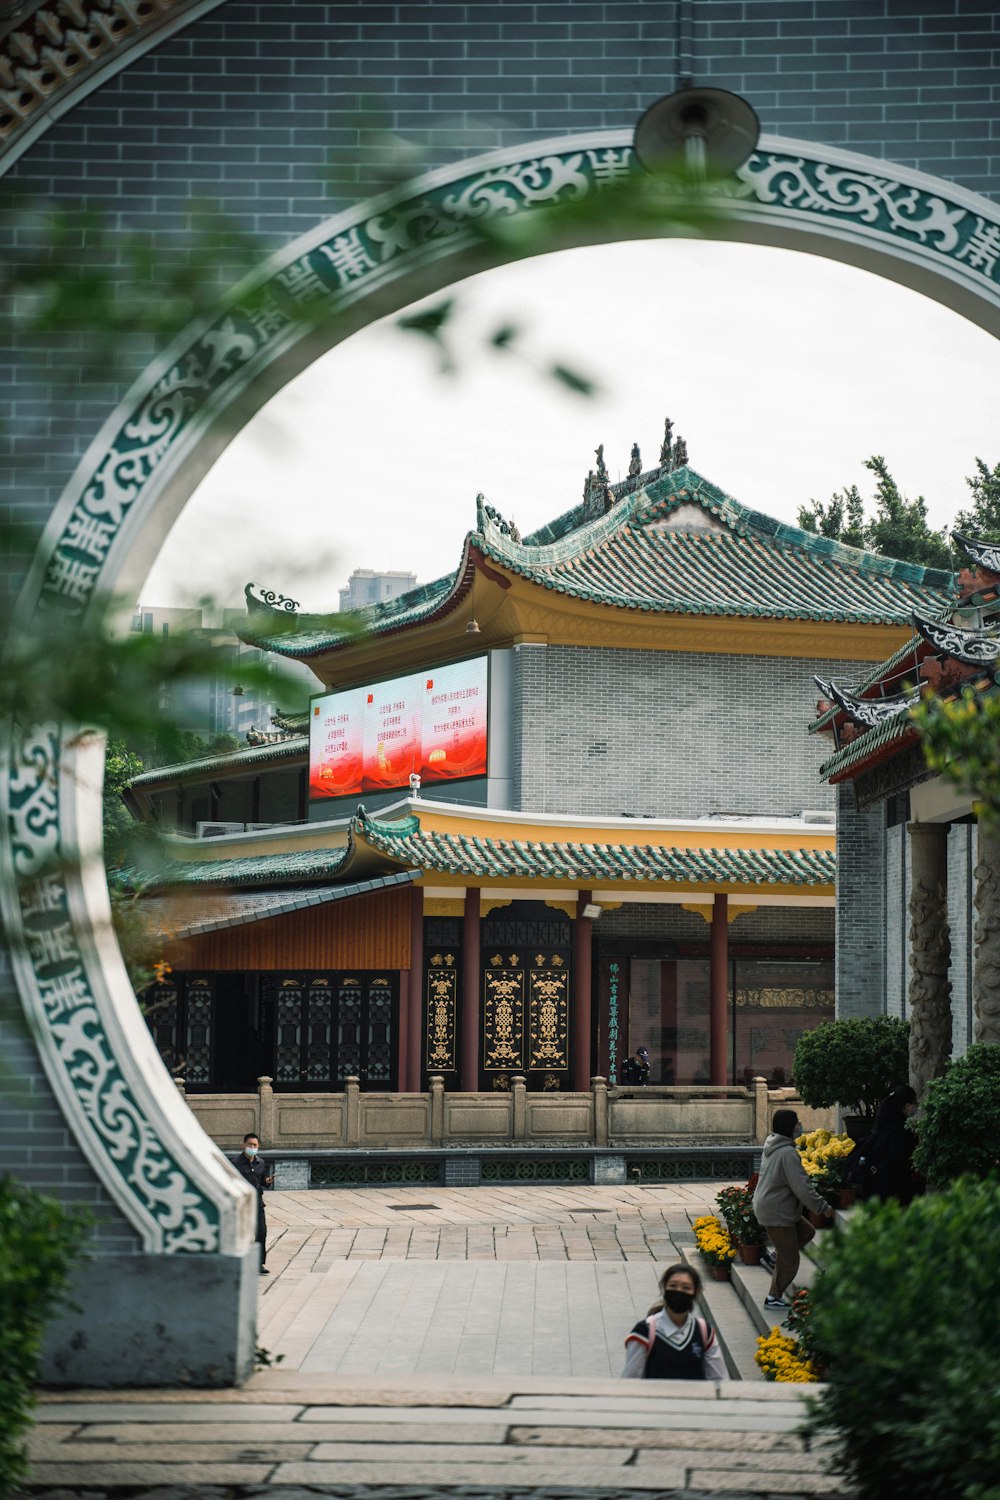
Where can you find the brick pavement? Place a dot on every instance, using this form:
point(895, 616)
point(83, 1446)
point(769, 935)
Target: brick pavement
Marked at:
point(463, 1349)
point(478, 1281)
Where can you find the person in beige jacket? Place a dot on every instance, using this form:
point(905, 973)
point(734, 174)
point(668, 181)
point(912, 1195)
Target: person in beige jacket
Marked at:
point(784, 1188)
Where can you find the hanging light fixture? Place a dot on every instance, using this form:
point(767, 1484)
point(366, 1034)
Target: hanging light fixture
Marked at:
point(705, 132)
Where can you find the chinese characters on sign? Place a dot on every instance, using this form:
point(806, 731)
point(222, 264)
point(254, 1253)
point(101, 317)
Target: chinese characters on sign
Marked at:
point(373, 738)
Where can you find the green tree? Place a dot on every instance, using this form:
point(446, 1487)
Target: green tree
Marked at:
point(842, 518)
point(983, 518)
point(898, 527)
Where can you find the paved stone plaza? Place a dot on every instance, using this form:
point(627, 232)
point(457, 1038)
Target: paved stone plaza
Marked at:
point(481, 1281)
point(441, 1341)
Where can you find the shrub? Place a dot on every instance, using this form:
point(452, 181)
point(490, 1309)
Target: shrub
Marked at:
point(958, 1129)
point(854, 1063)
point(907, 1316)
point(39, 1241)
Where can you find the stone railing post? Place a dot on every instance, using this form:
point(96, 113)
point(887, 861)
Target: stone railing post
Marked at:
point(265, 1112)
point(180, 1087)
point(761, 1123)
point(599, 1093)
point(986, 976)
point(519, 1102)
point(930, 953)
point(437, 1109)
point(352, 1109)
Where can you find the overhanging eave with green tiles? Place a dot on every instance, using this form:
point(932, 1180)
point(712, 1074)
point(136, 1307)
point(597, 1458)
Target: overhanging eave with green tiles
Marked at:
point(379, 848)
point(890, 736)
point(236, 762)
point(492, 859)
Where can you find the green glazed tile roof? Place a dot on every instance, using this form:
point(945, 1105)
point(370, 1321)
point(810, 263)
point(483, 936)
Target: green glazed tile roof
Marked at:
point(889, 732)
point(238, 908)
point(736, 562)
point(405, 845)
point(258, 755)
point(408, 843)
point(256, 869)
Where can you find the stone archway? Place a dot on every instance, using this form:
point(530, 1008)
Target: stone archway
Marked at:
point(170, 1184)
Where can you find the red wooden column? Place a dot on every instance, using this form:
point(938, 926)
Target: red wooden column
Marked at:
point(583, 936)
point(718, 1005)
point(470, 994)
point(415, 1036)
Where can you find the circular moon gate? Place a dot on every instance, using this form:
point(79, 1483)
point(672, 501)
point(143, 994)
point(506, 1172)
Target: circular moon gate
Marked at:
point(170, 1185)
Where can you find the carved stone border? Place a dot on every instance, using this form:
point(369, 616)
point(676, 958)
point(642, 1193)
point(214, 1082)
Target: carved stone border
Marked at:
point(154, 448)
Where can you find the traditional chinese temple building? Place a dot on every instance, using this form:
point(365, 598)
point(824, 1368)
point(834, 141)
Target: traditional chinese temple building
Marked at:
point(543, 811)
point(918, 872)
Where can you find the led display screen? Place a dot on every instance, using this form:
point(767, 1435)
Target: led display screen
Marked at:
point(374, 738)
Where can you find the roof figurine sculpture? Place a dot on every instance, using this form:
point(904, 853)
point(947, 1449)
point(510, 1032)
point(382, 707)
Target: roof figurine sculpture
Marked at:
point(597, 496)
point(635, 462)
point(667, 446)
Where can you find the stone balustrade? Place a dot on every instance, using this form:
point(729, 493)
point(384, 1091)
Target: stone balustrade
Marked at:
point(604, 1116)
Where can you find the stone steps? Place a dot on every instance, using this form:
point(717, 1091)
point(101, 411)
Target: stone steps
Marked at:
point(736, 1308)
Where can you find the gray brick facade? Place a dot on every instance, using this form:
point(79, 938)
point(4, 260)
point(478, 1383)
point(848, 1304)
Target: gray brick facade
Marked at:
point(667, 734)
point(861, 918)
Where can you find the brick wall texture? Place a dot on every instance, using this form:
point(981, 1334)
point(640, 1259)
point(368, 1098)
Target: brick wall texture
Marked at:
point(266, 110)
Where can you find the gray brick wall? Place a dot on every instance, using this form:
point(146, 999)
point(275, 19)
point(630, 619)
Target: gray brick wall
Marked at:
point(961, 921)
point(667, 733)
point(860, 925)
point(897, 919)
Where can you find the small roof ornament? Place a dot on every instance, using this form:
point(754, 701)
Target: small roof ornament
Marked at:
point(666, 447)
point(635, 462)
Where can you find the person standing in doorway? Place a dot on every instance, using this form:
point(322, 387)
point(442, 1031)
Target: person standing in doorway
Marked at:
point(251, 1166)
point(783, 1189)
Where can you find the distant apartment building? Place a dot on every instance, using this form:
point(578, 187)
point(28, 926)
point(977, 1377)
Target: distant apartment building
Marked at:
point(365, 587)
point(221, 703)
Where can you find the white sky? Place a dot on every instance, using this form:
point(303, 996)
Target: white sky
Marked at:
point(783, 372)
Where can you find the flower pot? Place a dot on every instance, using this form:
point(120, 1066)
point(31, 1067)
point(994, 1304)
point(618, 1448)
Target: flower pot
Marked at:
point(719, 1273)
point(750, 1254)
point(844, 1198)
point(818, 1221)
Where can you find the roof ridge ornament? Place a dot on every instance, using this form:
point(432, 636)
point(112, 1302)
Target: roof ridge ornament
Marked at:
point(597, 496)
point(260, 598)
point(488, 515)
point(867, 712)
point(974, 648)
point(985, 555)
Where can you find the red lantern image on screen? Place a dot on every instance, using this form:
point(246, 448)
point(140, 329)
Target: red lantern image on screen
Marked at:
point(454, 741)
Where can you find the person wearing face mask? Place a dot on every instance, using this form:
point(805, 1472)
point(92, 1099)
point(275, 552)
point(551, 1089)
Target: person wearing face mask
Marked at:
point(250, 1166)
point(883, 1169)
point(784, 1189)
point(671, 1343)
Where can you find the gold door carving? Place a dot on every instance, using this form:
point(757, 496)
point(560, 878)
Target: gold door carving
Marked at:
point(548, 1016)
point(442, 1011)
point(503, 1016)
